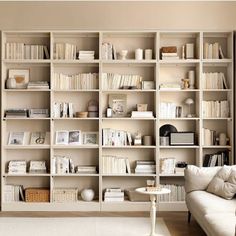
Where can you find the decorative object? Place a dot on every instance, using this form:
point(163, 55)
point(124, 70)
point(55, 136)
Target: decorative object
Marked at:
point(150, 182)
point(81, 114)
point(148, 54)
point(166, 129)
point(178, 112)
point(11, 83)
point(21, 77)
point(147, 140)
point(223, 139)
point(92, 108)
point(90, 138)
point(189, 102)
point(16, 138)
point(139, 54)
point(164, 141)
point(123, 54)
point(183, 52)
point(182, 138)
point(37, 195)
point(109, 112)
point(142, 107)
point(185, 83)
point(39, 138)
point(65, 195)
point(118, 104)
point(137, 138)
point(75, 137)
point(189, 51)
point(87, 194)
point(191, 77)
point(146, 85)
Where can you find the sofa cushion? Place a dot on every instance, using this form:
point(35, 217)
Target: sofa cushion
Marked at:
point(221, 224)
point(201, 203)
point(223, 183)
point(198, 178)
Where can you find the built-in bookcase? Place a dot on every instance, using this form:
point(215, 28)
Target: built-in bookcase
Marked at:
point(155, 69)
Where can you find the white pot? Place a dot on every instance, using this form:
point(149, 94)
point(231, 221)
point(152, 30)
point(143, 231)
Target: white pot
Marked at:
point(11, 83)
point(87, 195)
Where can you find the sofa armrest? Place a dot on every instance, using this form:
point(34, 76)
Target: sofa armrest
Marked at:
point(198, 178)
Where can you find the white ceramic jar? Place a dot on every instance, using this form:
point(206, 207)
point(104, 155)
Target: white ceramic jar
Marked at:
point(87, 194)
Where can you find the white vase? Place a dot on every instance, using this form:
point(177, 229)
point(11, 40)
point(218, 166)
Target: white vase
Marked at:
point(11, 83)
point(87, 195)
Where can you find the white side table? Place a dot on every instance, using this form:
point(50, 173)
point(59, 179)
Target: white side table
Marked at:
point(153, 195)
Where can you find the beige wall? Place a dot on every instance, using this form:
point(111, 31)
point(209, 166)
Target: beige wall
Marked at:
point(117, 15)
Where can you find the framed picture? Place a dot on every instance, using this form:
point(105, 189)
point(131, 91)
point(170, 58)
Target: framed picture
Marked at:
point(75, 137)
point(21, 77)
point(118, 103)
point(62, 137)
point(16, 138)
point(90, 138)
point(39, 138)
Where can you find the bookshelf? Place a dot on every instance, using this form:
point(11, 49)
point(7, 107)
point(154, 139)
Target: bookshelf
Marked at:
point(154, 70)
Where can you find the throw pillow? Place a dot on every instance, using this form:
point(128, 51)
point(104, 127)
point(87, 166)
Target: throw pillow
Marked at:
point(224, 183)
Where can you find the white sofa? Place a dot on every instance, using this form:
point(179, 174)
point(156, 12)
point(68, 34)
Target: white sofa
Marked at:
point(216, 215)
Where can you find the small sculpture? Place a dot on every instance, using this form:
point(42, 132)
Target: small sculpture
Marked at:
point(185, 83)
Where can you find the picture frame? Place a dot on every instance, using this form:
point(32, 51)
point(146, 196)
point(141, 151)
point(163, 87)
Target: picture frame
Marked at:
point(21, 77)
point(74, 137)
point(62, 137)
point(39, 138)
point(90, 138)
point(118, 104)
point(16, 138)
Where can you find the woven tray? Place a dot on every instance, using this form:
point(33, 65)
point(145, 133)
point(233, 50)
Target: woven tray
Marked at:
point(37, 195)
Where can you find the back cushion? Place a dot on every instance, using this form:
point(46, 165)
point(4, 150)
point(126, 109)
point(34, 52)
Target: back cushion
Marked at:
point(198, 178)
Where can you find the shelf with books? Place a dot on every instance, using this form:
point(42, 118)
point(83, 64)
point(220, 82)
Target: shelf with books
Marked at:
point(75, 61)
point(75, 90)
point(129, 147)
point(27, 90)
point(180, 147)
point(129, 91)
point(75, 146)
point(217, 147)
point(129, 61)
point(26, 175)
point(30, 147)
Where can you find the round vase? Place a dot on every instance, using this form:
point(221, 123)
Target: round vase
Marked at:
point(87, 195)
point(11, 83)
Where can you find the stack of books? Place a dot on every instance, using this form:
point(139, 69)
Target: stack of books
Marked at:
point(13, 193)
point(63, 110)
point(169, 53)
point(65, 51)
point(142, 114)
point(212, 51)
point(177, 193)
point(17, 167)
point(38, 85)
point(215, 109)
point(167, 110)
point(115, 165)
point(37, 167)
point(86, 55)
point(86, 169)
point(38, 113)
point(214, 80)
point(167, 165)
point(114, 195)
point(217, 159)
point(145, 167)
point(16, 113)
point(208, 137)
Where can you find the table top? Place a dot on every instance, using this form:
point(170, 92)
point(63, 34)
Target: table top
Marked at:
point(159, 192)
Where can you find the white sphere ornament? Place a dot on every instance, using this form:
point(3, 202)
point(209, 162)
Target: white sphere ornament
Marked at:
point(87, 194)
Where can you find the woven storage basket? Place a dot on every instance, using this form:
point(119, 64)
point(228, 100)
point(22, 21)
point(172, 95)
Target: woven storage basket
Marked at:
point(65, 195)
point(37, 195)
point(135, 196)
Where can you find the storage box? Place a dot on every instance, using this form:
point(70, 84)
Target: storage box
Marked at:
point(37, 195)
point(65, 195)
point(135, 196)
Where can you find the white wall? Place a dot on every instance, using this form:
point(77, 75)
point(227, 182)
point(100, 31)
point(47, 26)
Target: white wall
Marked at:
point(117, 15)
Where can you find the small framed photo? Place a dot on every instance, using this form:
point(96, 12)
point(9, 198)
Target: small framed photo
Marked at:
point(118, 103)
point(21, 77)
point(90, 138)
point(75, 137)
point(16, 138)
point(62, 137)
point(39, 138)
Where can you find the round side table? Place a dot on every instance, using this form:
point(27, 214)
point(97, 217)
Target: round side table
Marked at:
point(153, 195)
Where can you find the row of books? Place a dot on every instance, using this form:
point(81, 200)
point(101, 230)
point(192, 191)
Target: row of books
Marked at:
point(119, 81)
point(208, 137)
point(115, 165)
point(167, 110)
point(145, 167)
point(167, 165)
point(38, 85)
point(215, 109)
point(13, 193)
point(212, 51)
point(76, 81)
point(65, 51)
point(177, 193)
point(112, 137)
point(114, 195)
point(108, 51)
point(21, 51)
point(24, 113)
point(217, 159)
point(214, 80)
point(63, 110)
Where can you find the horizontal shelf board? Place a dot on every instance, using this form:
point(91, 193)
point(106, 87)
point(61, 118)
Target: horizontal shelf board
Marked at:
point(129, 147)
point(74, 90)
point(77, 118)
point(126, 118)
point(179, 61)
point(128, 91)
point(216, 146)
point(176, 147)
point(129, 61)
point(177, 91)
point(217, 118)
point(128, 175)
point(75, 146)
point(27, 90)
point(25, 118)
point(126, 202)
point(218, 61)
point(26, 175)
point(27, 147)
point(217, 90)
point(63, 61)
point(75, 175)
point(33, 61)
point(173, 202)
point(172, 175)
point(181, 118)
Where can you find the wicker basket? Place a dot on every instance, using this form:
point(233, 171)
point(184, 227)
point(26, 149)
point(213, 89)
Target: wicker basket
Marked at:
point(135, 196)
point(37, 195)
point(65, 195)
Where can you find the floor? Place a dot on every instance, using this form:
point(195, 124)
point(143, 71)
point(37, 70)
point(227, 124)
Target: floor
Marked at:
point(176, 221)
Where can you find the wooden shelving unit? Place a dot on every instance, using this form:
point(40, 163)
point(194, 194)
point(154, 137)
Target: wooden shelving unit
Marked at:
point(156, 69)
